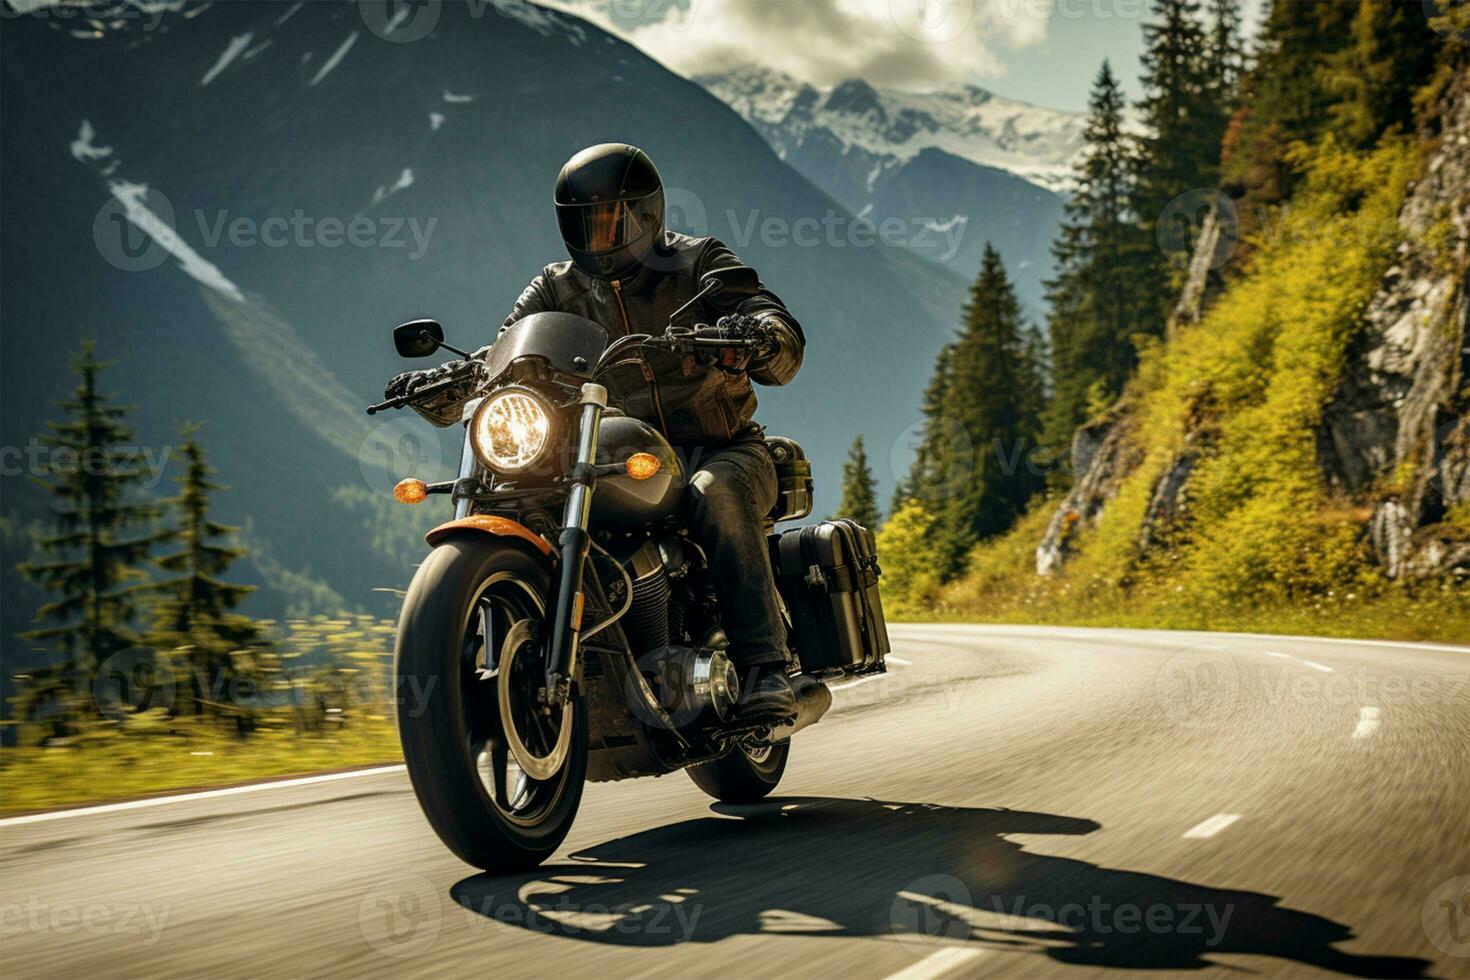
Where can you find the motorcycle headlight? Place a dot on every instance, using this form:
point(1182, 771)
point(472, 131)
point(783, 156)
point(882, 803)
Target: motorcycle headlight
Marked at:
point(510, 430)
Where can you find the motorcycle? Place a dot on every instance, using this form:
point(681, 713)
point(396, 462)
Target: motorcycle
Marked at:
point(563, 628)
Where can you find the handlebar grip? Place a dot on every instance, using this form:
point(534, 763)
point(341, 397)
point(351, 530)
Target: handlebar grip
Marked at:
point(723, 342)
point(418, 394)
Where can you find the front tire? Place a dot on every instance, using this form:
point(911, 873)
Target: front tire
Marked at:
point(473, 602)
point(742, 775)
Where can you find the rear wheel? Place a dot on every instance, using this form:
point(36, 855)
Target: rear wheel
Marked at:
point(745, 774)
point(498, 774)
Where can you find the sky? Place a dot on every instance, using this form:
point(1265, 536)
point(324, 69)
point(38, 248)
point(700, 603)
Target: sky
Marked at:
point(1040, 51)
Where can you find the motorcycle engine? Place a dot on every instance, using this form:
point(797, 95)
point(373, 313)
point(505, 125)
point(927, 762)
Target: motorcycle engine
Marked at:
point(692, 683)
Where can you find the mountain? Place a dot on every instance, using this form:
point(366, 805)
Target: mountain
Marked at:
point(238, 200)
point(962, 162)
point(989, 130)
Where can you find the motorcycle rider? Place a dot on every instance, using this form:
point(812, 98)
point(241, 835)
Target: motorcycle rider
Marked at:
point(630, 274)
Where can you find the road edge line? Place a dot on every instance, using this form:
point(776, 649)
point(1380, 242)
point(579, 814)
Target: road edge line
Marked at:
point(151, 801)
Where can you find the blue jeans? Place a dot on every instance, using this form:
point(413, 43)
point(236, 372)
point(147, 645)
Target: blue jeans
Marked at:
point(730, 494)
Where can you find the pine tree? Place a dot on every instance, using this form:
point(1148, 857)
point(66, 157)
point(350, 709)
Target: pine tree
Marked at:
point(1225, 53)
point(194, 609)
point(859, 491)
point(1288, 98)
point(100, 541)
point(1181, 150)
point(1391, 55)
point(933, 467)
point(1103, 260)
point(991, 396)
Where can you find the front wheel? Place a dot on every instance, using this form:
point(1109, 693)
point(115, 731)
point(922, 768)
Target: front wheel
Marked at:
point(498, 775)
point(745, 774)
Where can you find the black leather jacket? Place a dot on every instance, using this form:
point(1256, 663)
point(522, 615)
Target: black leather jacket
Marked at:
point(703, 406)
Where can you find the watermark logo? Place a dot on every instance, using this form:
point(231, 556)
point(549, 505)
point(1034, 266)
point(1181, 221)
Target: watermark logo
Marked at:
point(397, 449)
point(676, 15)
point(39, 459)
point(932, 910)
point(301, 230)
point(134, 680)
point(684, 212)
point(1199, 687)
point(932, 21)
point(136, 230)
point(1446, 917)
point(400, 21)
point(115, 14)
point(93, 919)
point(950, 462)
point(131, 239)
point(1186, 217)
point(400, 916)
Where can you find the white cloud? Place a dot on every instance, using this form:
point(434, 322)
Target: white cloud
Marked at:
point(904, 43)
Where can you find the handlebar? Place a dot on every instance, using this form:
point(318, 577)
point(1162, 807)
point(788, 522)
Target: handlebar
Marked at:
point(677, 341)
point(419, 394)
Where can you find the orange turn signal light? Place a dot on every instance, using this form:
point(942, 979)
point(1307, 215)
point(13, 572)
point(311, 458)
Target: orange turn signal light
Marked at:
point(410, 491)
point(641, 466)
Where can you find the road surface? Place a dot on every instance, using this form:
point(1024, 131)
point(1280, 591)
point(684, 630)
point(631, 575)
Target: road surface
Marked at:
point(1011, 801)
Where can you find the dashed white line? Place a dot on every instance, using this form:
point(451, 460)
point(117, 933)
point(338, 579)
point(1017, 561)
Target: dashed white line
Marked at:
point(1316, 666)
point(1212, 826)
point(1273, 653)
point(1368, 720)
point(898, 660)
point(861, 680)
point(204, 795)
point(937, 963)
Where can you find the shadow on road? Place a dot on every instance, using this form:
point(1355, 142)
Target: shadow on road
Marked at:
point(913, 873)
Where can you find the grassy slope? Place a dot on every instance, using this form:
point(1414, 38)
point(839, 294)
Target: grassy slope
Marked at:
point(320, 700)
point(1261, 544)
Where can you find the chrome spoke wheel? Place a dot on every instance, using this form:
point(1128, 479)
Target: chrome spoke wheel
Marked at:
point(756, 753)
point(519, 753)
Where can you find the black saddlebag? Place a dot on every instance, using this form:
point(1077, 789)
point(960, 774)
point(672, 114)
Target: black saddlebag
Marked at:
point(828, 575)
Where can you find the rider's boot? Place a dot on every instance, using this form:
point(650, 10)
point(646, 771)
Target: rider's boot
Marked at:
point(767, 695)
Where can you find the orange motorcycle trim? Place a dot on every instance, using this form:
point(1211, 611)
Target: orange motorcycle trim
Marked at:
point(502, 527)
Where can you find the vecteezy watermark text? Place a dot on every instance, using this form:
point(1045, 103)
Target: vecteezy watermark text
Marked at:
point(837, 230)
point(38, 459)
point(301, 230)
point(94, 918)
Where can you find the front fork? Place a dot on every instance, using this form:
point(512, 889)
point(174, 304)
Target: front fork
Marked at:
point(573, 544)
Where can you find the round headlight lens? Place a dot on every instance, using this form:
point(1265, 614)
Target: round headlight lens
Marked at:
point(510, 430)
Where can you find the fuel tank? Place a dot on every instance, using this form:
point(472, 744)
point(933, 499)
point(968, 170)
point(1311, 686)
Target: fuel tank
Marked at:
point(621, 501)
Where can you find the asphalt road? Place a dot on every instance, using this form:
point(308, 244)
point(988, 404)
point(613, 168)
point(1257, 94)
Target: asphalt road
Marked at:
point(1007, 801)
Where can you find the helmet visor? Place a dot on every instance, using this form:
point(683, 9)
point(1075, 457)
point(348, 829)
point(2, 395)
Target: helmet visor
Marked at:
point(604, 227)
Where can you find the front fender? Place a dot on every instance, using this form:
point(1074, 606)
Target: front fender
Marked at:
point(500, 527)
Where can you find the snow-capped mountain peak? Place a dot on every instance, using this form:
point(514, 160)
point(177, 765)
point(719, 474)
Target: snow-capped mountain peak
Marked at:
point(966, 121)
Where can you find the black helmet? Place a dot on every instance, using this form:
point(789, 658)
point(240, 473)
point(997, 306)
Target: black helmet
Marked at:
point(610, 206)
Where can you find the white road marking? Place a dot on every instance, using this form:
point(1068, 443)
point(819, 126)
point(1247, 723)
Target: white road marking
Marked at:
point(1316, 666)
point(860, 680)
point(1083, 633)
point(898, 660)
point(1212, 826)
point(1273, 653)
point(330, 777)
point(937, 963)
point(1367, 722)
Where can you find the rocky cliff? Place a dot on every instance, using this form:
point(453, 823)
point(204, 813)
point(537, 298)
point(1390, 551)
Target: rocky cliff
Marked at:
point(1393, 445)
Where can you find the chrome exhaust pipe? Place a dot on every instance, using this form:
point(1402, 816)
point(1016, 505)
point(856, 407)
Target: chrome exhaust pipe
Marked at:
point(813, 698)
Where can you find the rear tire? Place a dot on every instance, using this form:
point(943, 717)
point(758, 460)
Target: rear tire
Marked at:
point(740, 777)
point(481, 804)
